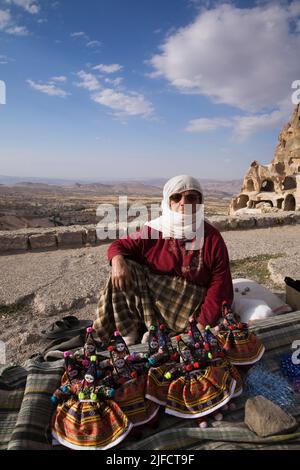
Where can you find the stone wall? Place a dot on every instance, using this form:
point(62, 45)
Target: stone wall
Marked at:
point(78, 236)
point(48, 238)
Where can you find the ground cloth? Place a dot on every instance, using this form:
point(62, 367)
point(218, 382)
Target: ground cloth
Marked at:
point(24, 421)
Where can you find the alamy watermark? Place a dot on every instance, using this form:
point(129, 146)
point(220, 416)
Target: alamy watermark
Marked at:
point(296, 94)
point(2, 92)
point(121, 220)
point(296, 353)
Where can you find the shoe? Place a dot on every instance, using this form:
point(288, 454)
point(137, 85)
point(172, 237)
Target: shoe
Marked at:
point(53, 356)
point(66, 327)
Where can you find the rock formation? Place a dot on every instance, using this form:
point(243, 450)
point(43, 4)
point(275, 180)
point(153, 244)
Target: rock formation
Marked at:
point(274, 187)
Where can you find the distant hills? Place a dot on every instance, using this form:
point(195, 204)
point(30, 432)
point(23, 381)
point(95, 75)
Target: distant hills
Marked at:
point(140, 186)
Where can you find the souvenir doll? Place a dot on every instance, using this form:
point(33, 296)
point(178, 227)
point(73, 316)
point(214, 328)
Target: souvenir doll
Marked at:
point(197, 387)
point(162, 357)
point(72, 374)
point(90, 346)
point(241, 346)
point(86, 416)
point(218, 358)
point(130, 395)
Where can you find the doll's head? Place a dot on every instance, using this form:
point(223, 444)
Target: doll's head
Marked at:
point(118, 346)
point(154, 343)
point(120, 363)
point(71, 365)
point(90, 345)
point(90, 374)
point(186, 354)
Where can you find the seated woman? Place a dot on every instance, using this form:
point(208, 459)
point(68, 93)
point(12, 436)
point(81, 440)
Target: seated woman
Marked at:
point(163, 274)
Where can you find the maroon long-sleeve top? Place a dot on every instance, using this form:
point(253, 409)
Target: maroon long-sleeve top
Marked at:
point(208, 267)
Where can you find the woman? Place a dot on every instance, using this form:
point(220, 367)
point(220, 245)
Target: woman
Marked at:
point(175, 268)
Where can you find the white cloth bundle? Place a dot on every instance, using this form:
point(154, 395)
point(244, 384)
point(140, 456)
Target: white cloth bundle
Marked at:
point(255, 302)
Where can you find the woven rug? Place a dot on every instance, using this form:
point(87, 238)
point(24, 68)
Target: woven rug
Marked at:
point(25, 407)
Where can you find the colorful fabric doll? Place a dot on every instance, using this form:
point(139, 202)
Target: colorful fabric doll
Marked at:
point(130, 395)
point(86, 417)
point(90, 346)
point(197, 387)
point(241, 346)
point(160, 346)
point(162, 357)
point(217, 357)
point(73, 369)
point(207, 349)
point(90, 349)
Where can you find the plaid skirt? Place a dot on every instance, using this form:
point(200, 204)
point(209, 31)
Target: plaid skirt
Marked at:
point(199, 394)
point(90, 426)
point(131, 399)
point(241, 349)
point(153, 298)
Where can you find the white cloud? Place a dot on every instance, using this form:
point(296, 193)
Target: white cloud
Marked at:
point(8, 26)
point(112, 68)
point(123, 104)
point(18, 31)
point(89, 42)
point(79, 34)
point(246, 58)
point(243, 126)
point(30, 6)
point(88, 81)
point(114, 81)
point(206, 124)
point(60, 78)
point(48, 89)
point(5, 19)
point(93, 44)
point(131, 104)
point(4, 59)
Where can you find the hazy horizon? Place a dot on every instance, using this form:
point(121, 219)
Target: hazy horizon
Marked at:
point(29, 179)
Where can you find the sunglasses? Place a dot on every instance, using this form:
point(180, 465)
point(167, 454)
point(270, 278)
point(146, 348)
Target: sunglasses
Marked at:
point(190, 198)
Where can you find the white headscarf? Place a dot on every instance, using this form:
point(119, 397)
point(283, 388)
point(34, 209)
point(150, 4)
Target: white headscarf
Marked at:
point(177, 225)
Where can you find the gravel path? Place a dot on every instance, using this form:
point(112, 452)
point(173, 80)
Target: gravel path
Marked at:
point(52, 284)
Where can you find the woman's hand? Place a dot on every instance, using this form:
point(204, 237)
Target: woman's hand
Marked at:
point(121, 276)
point(199, 325)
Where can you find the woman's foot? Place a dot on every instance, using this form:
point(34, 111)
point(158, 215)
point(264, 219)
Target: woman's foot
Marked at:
point(145, 338)
point(131, 339)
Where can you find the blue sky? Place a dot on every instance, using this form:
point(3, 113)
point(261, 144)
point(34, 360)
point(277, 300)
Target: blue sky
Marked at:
point(136, 88)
